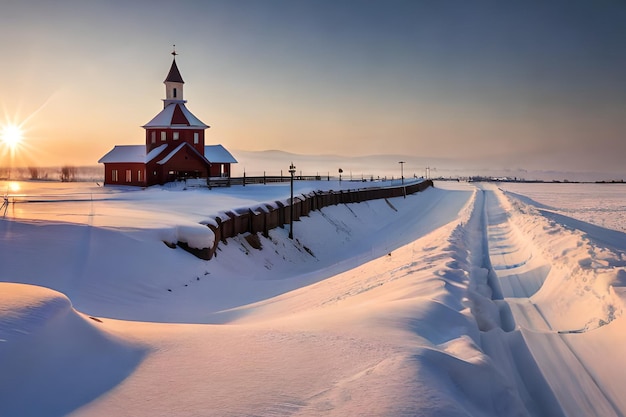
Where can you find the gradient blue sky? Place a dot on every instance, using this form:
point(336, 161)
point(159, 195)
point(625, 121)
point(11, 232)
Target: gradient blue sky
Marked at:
point(529, 84)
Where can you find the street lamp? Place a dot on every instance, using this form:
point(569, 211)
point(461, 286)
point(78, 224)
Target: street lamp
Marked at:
point(340, 172)
point(402, 170)
point(292, 170)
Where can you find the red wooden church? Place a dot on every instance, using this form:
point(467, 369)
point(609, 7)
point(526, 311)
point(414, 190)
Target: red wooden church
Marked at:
point(174, 146)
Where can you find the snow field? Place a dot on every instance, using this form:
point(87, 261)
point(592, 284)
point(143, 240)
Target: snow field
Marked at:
point(367, 339)
point(599, 204)
point(452, 302)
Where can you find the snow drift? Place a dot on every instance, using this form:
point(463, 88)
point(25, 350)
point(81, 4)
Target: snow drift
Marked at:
point(54, 359)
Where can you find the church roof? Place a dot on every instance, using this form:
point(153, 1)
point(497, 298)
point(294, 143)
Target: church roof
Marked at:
point(131, 154)
point(137, 154)
point(175, 115)
point(218, 154)
point(174, 75)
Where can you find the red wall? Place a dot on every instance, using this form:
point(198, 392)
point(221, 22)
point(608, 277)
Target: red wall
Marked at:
point(218, 169)
point(184, 135)
point(186, 160)
point(136, 179)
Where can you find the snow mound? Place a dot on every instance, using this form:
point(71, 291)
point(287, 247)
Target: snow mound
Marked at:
point(52, 351)
point(195, 236)
point(24, 309)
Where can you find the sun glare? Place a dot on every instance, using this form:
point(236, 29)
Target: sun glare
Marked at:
point(11, 136)
point(14, 186)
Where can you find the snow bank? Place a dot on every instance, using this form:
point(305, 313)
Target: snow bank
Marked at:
point(54, 360)
point(578, 293)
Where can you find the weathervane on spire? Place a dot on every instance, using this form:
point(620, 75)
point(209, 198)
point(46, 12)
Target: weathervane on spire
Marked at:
point(174, 51)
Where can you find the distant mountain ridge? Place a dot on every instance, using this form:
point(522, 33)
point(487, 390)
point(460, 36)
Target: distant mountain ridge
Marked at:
point(271, 162)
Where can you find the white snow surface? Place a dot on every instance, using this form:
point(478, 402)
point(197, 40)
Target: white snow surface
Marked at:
point(462, 300)
point(131, 153)
point(218, 154)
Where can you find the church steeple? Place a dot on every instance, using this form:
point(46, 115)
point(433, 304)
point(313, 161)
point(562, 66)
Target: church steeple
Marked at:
point(175, 124)
point(173, 84)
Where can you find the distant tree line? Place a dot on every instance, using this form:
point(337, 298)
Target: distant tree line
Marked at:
point(68, 173)
point(65, 173)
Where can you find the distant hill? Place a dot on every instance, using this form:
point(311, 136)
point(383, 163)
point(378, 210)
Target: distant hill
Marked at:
point(272, 161)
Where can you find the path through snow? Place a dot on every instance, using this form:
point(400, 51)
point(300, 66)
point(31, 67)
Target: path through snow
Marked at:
point(522, 273)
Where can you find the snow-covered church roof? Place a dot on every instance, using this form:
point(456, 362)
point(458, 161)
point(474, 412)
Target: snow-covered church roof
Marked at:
point(175, 115)
point(218, 154)
point(131, 154)
point(137, 154)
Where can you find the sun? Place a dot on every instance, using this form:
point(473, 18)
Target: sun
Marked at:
point(12, 135)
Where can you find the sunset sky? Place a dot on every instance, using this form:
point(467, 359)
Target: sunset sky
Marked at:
point(530, 84)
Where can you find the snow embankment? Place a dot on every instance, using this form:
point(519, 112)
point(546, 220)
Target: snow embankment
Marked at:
point(53, 359)
point(584, 288)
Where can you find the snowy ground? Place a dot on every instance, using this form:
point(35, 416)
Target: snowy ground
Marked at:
point(600, 204)
point(461, 300)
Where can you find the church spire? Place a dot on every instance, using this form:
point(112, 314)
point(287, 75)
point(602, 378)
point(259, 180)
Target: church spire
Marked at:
point(173, 84)
point(174, 75)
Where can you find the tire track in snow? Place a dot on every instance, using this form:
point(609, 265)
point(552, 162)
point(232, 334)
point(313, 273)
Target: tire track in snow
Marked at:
point(514, 280)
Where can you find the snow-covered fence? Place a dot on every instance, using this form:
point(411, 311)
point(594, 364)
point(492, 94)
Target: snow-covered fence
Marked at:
point(263, 218)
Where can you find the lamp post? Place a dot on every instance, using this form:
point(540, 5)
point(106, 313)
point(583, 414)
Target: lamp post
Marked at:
point(292, 170)
point(402, 171)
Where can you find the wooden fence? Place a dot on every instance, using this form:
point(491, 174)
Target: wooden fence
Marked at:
point(266, 217)
point(263, 179)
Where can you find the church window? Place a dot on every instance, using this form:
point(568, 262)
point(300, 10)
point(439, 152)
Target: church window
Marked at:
point(129, 175)
point(163, 136)
point(196, 138)
point(114, 177)
point(174, 93)
point(175, 135)
point(153, 137)
point(139, 175)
